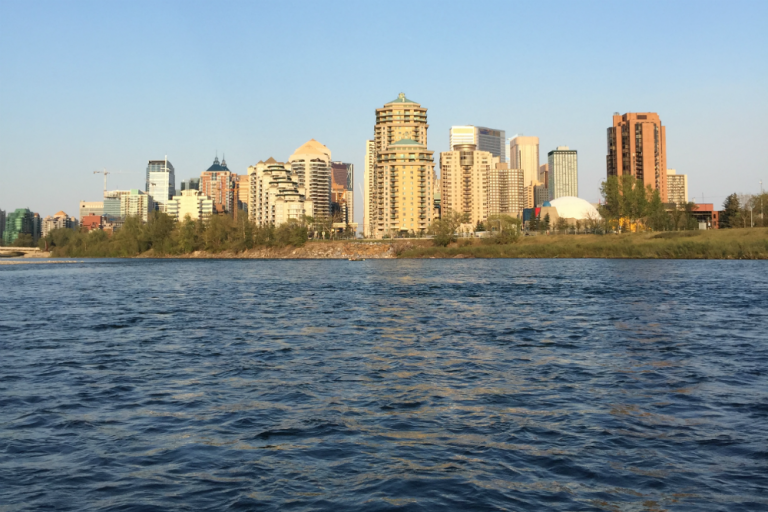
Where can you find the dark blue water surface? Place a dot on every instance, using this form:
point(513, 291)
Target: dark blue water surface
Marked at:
point(565, 385)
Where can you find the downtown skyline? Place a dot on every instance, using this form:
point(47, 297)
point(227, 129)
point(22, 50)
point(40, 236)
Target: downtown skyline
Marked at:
point(78, 108)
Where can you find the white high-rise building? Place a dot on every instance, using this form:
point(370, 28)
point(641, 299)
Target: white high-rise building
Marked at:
point(563, 173)
point(161, 182)
point(485, 139)
point(677, 187)
point(311, 166)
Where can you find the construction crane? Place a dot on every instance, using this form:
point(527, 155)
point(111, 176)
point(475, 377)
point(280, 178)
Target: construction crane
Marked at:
point(105, 172)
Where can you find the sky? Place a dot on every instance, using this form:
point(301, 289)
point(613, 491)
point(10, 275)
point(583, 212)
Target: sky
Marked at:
point(93, 85)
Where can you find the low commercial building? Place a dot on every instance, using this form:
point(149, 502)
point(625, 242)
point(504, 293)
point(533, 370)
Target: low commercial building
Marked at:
point(706, 215)
point(190, 203)
point(91, 208)
point(91, 222)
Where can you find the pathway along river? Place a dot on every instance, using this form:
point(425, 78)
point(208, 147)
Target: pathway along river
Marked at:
point(567, 385)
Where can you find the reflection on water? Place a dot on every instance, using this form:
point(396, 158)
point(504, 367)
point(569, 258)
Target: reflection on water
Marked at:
point(384, 385)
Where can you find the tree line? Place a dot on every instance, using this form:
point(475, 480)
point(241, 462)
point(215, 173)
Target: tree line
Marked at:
point(744, 211)
point(164, 236)
point(627, 204)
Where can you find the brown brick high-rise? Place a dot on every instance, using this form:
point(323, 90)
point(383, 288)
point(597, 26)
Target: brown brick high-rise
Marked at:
point(637, 145)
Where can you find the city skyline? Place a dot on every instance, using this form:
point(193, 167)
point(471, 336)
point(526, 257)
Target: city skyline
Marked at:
point(80, 105)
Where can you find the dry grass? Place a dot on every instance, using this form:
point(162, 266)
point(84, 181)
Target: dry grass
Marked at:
point(715, 244)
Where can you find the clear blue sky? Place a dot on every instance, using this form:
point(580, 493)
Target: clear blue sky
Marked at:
point(103, 84)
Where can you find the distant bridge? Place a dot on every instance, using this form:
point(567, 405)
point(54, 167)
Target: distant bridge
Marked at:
point(4, 251)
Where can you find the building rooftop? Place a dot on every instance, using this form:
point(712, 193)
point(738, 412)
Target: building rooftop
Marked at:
point(401, 99)
point(218, 166)
point(312, 147)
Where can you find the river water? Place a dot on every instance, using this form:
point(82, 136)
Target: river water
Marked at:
point(566, 385)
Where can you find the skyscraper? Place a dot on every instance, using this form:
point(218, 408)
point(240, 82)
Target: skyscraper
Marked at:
point(563, 172)
point(2, 223)
point(161, 182)
point(370, 164)
point(485, 139)
point(524, 154)
point(342, 190)
point(311, 167)
point(677, 188)
point(403, 170)
point(637, 145)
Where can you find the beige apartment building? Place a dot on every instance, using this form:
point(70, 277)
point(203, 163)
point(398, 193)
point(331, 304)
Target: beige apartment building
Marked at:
point(310, 164)
point(409, 167)
point(464, 181)
point(58, 221)
point(401, 181)
point(190, 203)
point(637, 145)
point(478, 184)
point(506, 194)
point(370, 164)
point(275, 195)
point(677, 187)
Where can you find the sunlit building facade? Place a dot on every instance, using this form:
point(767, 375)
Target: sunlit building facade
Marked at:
point(637, 145)
point(563, 173)
point(401, 182)
point(310, 165)
point(677, 187)
point(524, 154)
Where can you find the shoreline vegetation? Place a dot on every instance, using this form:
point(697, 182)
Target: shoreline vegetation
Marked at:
point(739, 243)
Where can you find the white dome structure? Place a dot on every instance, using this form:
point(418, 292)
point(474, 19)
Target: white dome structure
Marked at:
point(570, 207)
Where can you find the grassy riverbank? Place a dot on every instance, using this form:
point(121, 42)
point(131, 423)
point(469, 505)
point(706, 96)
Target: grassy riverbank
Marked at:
point(714, 244)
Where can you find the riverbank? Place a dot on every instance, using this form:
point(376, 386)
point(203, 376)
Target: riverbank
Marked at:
point(713, 244)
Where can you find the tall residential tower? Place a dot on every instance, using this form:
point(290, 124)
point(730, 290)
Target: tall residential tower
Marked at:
point(401, 184)
point(637, 145)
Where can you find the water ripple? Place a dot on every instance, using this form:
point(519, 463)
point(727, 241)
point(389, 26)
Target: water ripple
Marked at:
point(384, 385)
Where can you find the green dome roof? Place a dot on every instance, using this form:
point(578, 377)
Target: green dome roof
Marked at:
point(401, 99)
point(407, 142)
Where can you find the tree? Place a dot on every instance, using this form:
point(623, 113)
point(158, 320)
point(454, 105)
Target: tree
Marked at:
point(656, 216)
point(480, 226)
point(545, 224)
point(729, 217)
point(561, 225)
point(444, 228)
point(24, 240)
point(504, 229)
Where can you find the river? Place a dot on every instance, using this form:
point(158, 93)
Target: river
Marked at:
point(565, 385)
